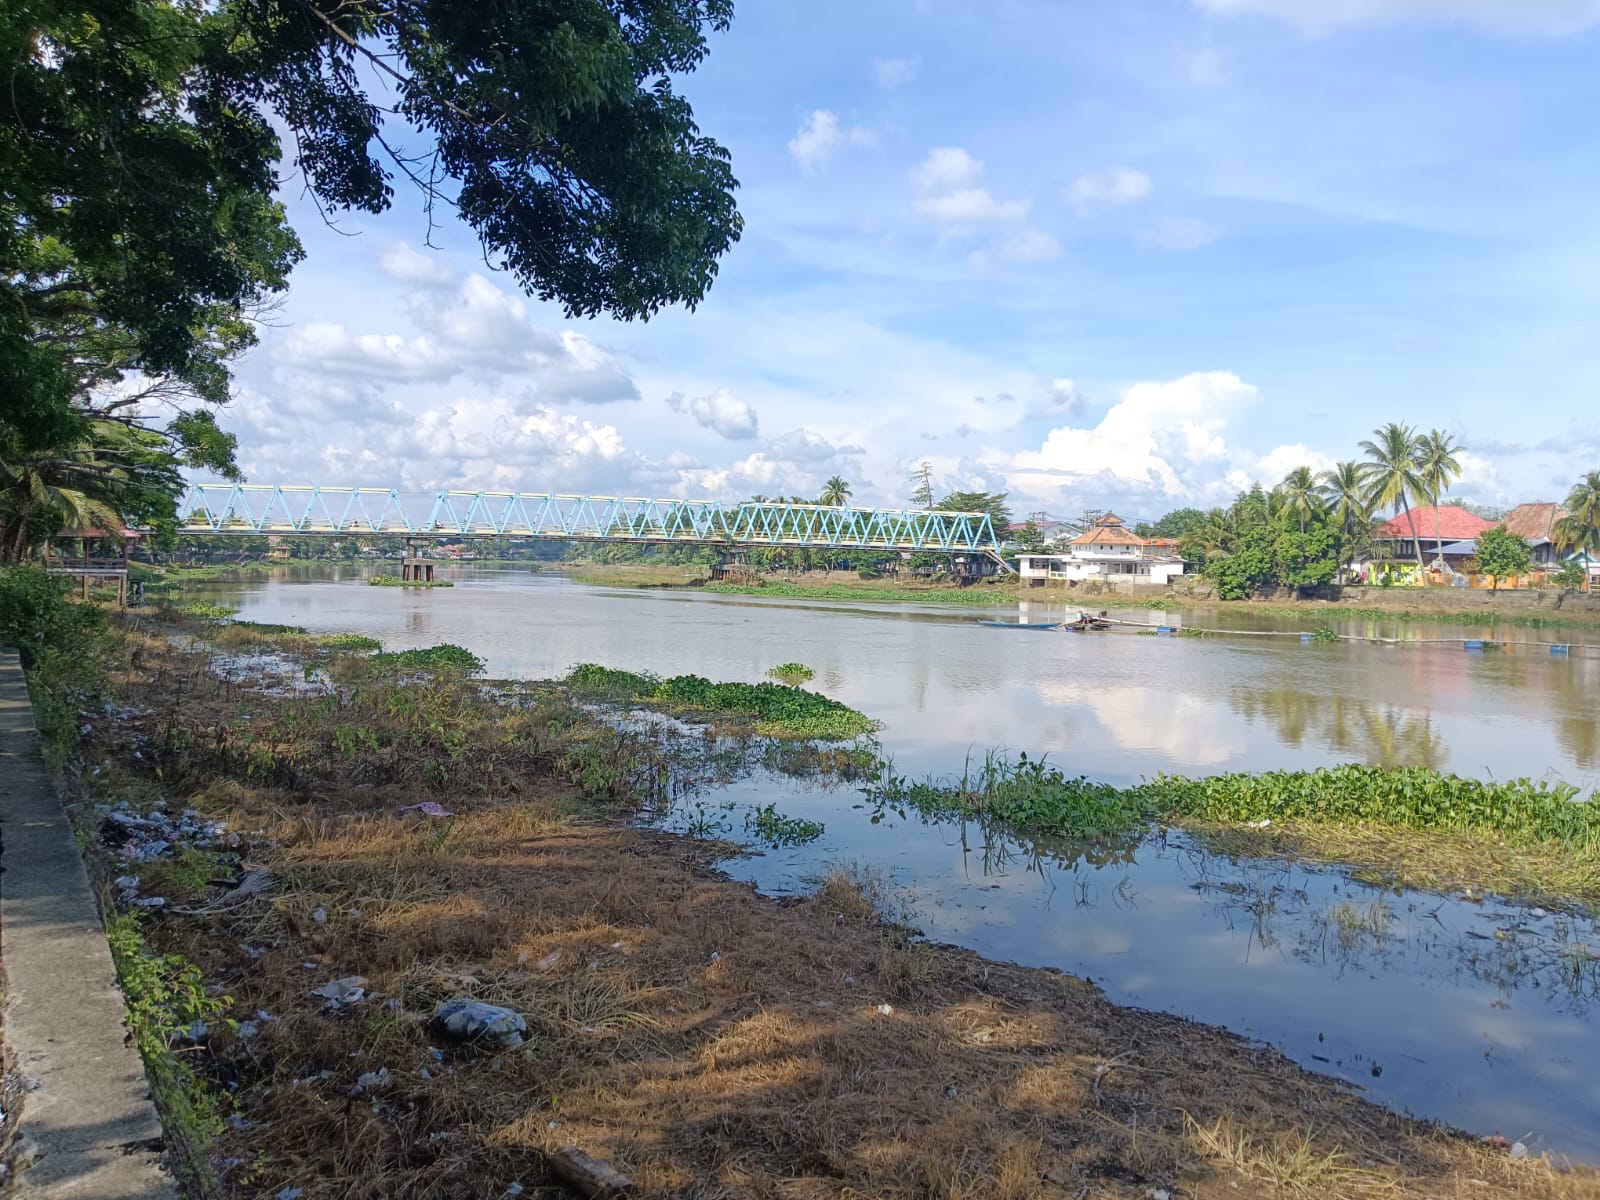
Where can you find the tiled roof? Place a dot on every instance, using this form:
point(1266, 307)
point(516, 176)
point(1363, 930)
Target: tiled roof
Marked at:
point(1534, 522)
point(1454, 523)
point(1107, 535)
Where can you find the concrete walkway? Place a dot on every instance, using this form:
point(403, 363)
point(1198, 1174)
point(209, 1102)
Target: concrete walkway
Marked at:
point(89, 1122)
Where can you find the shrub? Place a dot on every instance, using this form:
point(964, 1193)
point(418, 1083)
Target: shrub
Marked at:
point(445, 658)
point(63, 646)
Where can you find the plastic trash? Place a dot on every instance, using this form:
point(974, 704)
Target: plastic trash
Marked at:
point(1518, 1150)
point(351, 989)
point(371, 1081)
point(429, 808)
point(473, 1022)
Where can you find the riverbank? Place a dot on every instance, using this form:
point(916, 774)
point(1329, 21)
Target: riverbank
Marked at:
point(367, 853)
point(1534, 610)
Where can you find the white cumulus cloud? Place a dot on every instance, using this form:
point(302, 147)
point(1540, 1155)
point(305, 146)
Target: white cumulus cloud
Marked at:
point(1270, 469)
point(1109, 188)
point(721, 411)
point(821, 137)
point(1549, 18)
point(951, 195)
point(894, 72)
point(1163, 439)
point(405, 265)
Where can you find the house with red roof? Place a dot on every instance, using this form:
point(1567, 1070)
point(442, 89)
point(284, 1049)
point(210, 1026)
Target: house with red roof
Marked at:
point(1432, 528)
point(1108, 552)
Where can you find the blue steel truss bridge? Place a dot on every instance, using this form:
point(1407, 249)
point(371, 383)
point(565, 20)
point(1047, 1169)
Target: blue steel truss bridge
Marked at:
point(239, 509)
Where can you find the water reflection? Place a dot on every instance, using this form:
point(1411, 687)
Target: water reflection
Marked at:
point(1378, 734)
point(1481, 1014)
point(1476, 1014)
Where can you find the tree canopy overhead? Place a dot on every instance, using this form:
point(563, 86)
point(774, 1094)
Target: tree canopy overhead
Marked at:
point(141, 231)
point(552, 127)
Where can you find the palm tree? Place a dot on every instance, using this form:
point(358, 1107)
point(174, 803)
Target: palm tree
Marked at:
point(1392, 476)
point(1215, 537)
point(1344, 498)
point(1580, 528)
point(1299, 494)
point(34, 506)
point(836, 492)
point(1438, 467)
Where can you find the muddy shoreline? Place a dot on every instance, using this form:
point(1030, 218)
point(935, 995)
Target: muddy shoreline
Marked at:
point(705, 1039)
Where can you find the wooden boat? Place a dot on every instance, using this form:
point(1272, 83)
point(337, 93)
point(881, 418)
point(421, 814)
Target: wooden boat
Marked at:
point(1021, 625)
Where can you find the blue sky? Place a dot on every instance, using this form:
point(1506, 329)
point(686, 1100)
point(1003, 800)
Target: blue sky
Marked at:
point(1131, 255)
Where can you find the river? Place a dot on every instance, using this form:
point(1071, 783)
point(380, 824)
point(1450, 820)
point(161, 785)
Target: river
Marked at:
point(1480, 1014)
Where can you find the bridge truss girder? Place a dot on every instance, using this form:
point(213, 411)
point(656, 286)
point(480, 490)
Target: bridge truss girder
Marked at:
point(242, 509)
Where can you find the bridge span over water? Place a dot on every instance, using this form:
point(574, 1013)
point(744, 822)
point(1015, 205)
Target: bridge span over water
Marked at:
point(256, 509)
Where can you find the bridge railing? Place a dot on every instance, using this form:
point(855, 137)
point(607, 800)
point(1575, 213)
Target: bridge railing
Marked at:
point(229, 508)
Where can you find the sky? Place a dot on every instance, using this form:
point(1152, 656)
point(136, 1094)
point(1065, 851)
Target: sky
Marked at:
point(1131, 255)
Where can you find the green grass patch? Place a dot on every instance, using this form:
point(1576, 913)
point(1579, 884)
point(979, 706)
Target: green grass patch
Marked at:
point(166, 997)
point(776, 829)
point(445, 658)
point(396, 581)
point(982, 595)
point(773, 709)
point(792, 673)
point(1426, 827)
point(347, 643)
point(201, 611)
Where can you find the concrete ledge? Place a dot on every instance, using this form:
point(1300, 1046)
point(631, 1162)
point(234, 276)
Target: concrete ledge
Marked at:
point(88, 1124)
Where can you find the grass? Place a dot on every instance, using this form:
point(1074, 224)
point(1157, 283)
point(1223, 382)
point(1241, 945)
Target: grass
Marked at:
point(890, 591)
point(396, 581)
point(630, 575)
point(445, 657)
point(701, 1038)
point(1410, 825)
point(773, 710)
point(776, 829)
point(166, 998)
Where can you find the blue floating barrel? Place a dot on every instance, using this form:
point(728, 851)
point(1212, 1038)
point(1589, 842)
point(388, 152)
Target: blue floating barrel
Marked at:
point(1305, 637)
point(1165, 629)
point(1474, 644)
point(1560, 651)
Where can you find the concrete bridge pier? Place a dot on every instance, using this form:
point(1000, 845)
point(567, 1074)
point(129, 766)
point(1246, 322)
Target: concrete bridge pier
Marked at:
point(416, 567)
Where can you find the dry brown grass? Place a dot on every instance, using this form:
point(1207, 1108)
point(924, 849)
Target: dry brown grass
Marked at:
point(705, 1040)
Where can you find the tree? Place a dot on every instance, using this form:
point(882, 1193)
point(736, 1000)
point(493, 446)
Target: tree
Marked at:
point(1392, 476)
point(1030, 538)
point(922, 477)
point(1437, 468)
point(1175, 524)
point(551, 126)
point(1344, 500)
point(1573, 573)
point(1579, 530)
point(1212, 539)
point(1502, 555)
point(836, 492)
point(139, 156)
point(992, 503)
point(1299, 493)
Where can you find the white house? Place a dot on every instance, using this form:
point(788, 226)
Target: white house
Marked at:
point(1107, 552)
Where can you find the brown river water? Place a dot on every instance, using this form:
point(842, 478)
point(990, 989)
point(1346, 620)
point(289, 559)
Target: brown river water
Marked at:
point(1480, 1014)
